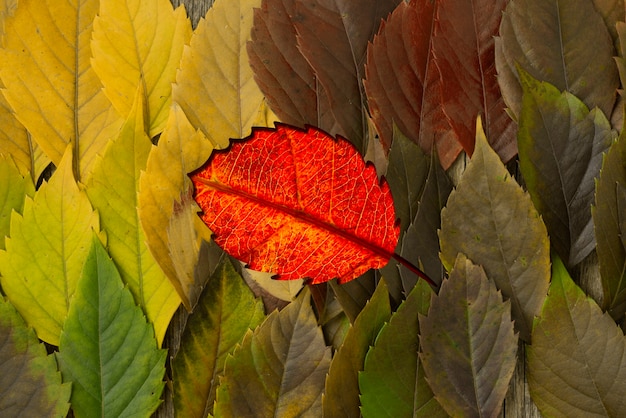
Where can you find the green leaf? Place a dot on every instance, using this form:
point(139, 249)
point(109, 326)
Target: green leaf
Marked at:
point(30, 385)
point(468, 345)
point(279, 369)
point(341, 397)
point(565, 44)
point(392, 383)
point(610, 228)
point(45, 254)
point(139, 42)
point(226, 310)
point(577, 361)
point(560, 149)
point(13, 188)
point(113, 189)
point(108, 350)
point(491, 220)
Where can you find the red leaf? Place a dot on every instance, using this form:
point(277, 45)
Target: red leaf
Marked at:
point(465, 55)
point(403, 83)
point(299, 204)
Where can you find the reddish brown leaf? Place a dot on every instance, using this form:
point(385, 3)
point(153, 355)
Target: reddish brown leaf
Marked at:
point(299, 204)
point(465, 55)
point(333, 36)
point(403, 83)
point(282, 73)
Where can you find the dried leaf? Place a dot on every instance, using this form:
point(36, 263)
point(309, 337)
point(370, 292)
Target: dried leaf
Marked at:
point(392, 383)
point(560, 145)
point(279, 369)
point(465, 55)
point(569, 47)
point(113, 189)
point(225, 311)
point(139, 42)
point(333, 36)
point(107, 349)
point(215, 86)
point(54, 92)
point(610, 228)
point(285, 201)
point(30, 385)
point(468, 345)
point(45, 254)
point(492, 220)
point(577, 363)
point(341, 397)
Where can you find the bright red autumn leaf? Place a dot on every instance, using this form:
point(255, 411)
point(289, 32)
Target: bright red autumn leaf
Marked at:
point(298, 203)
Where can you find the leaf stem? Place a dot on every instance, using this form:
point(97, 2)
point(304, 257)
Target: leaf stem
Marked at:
point(406, 263)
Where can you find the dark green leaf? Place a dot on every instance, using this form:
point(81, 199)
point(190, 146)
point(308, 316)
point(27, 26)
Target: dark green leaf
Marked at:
point(492, 220)
point(279, 369)
point(577, 361)
point(225, 311)
point(560, 147)
point(108, 350)
point(392, 383)
point(468, 344)
point(30, 385)
point(566, 44)
point(341, 397)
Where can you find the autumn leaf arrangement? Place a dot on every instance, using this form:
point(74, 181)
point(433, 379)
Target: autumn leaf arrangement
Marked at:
point(430, 270)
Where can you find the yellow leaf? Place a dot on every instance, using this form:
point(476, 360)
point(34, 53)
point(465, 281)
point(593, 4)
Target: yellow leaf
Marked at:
point(49, 82)
point(46, 251)
point(215, 86)
point(139, 41)
point(113, 189)
point(14, 186)
point(167, 210)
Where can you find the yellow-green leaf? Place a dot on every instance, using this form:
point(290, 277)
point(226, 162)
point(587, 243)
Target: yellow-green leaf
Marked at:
point(46, 251)
point(13, 188)
point(139, 41)
point(215, 86)
point(49, 81)
point(113, 190)
point(168, 213)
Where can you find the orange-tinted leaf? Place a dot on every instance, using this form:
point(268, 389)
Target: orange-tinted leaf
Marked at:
point(333, 36)
point(465, 55)
point(299, 204)
point(403, 83)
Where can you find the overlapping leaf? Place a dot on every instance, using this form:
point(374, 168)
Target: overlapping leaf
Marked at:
point(568, 47)
point(492, 220)
point(107, 349)
point(403, 84)
point(612, 11)
point(333, 36)
point(392, 383)
point(577, 361)
point(279, 369)
point(49, 81)
point(281, 71)
point(610, 228)
point(215, 86)
point(560, 146)
point(226, 310)
point(46, 251)
point(341, 397)
point(468, 345)
point(139, 42)
point(13, 188)
point(299, 204)
point(113, 189)
point(30, 384)
point(464, 53)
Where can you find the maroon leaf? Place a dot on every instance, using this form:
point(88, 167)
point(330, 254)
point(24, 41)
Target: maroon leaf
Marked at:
point(403, 83)
point(465, 55)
